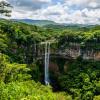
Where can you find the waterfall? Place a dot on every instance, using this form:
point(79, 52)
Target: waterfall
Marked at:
point(47, 57)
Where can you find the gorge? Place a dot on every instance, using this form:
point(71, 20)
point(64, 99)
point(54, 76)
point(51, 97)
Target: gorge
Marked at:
point(49, 63)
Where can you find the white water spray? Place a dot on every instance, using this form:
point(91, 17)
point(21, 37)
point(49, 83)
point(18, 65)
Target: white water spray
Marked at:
point(47, 57)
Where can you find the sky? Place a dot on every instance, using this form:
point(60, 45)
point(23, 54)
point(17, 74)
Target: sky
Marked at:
point(60, 11)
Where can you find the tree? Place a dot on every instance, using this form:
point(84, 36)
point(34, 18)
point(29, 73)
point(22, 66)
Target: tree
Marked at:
point(5, 8)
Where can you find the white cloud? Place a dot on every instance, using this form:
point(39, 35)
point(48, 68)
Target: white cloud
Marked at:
point(55, 10)
point(42, 0)
point(93, 4)
point(28, 4)
point(93, 13)
point(70, 11)
point(3, 0)
point(83, 3)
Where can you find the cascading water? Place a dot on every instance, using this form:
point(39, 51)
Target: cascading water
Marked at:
point(47, 57)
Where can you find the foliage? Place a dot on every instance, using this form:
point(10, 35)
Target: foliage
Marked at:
point(28, 90)
point(82, 80)
point(89, 37)
point(19, 66)
point(16, 83)
point(96, 97)
point(18, 40)
point(12, 71)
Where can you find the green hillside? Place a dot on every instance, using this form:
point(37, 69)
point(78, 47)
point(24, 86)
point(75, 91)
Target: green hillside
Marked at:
point(35, 22)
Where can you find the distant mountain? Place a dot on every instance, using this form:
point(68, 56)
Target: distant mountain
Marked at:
point(51, 24)
point(36, 22)
point(68, 26)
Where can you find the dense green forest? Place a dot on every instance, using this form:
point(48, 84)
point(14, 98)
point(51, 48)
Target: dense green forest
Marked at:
point(22, 75)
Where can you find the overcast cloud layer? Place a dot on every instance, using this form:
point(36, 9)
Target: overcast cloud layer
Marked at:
point(61, 11)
